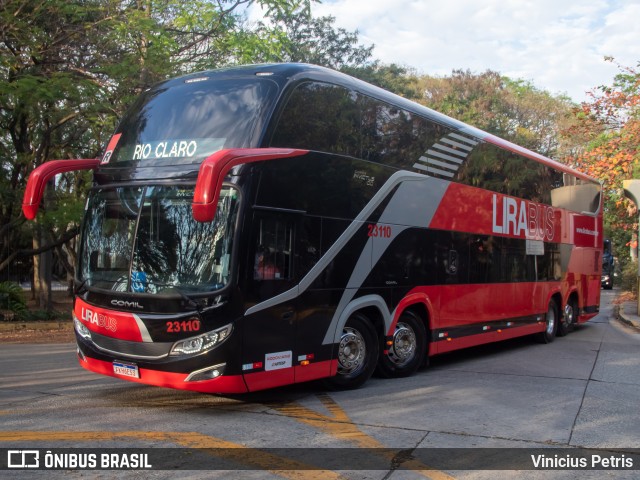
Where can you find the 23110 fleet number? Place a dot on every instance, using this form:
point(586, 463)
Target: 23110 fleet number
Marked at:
point(379, 231)
point(183, 326)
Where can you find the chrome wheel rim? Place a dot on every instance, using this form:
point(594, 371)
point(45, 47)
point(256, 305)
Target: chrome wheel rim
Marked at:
point(569, 315)
point(404, 345)
point(551, 320)
point(351, 351)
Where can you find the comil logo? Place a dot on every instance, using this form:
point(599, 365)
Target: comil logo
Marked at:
point(23, 459)
point(126, 304)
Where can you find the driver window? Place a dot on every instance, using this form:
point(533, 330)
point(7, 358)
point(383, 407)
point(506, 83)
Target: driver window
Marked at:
point(274, 248)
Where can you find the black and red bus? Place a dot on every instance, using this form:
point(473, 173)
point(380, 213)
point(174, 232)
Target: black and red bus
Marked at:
point(266, 225)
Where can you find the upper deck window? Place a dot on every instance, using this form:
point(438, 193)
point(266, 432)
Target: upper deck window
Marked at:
point(184, 123)
point(322, 117)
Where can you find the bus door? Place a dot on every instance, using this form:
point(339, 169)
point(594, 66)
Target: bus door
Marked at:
point(269, 333)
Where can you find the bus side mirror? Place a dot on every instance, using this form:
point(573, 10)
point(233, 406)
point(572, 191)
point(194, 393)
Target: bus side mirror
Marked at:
point(41, 175)
point(632, 191)
point(215, 168)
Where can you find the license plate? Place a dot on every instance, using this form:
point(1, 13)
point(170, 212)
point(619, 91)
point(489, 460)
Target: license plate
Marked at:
point(126, 369)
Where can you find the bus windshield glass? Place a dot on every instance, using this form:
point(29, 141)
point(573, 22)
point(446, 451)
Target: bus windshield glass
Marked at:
point(184, 123)
point(145, 240)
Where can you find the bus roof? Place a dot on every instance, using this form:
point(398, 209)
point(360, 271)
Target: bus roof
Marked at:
point(286, 73)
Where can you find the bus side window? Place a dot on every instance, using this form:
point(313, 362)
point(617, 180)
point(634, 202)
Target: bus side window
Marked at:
point(320, 116)
point(274, 249)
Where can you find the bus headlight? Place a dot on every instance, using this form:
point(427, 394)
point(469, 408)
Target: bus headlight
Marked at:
point(81, 329)
point(201, 343)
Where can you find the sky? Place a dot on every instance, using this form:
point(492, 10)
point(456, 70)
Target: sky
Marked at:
point(557, 45)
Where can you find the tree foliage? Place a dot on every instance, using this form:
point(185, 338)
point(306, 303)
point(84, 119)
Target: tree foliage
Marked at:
point(297, 36)
point(12, 299)
point(68, 70)
point(610, 125)
point(300, 37)
point(512, 109)
point(395, 78)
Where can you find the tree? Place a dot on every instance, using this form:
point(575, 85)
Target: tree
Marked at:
point(297, 36)
point(610, 125)
point(68, 69)
point(512, 109)
point(395, 78)
point(44, 108)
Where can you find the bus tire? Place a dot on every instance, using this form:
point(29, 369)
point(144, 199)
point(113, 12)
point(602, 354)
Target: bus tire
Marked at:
point(569, 319)
point(357, 353)
point(551, 324)
point(408, 350)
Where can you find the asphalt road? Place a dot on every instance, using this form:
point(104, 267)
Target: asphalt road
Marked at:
point(582, 390)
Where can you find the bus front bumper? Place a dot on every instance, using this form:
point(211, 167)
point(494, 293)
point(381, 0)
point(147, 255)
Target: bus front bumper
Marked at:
point(208, 373)
point(220, 384)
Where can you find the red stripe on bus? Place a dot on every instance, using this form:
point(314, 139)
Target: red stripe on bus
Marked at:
point(110, 323)
point(474, 210)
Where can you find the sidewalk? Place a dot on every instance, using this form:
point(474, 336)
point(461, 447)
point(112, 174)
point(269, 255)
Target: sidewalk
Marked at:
point(23, 326)
point(627, 312)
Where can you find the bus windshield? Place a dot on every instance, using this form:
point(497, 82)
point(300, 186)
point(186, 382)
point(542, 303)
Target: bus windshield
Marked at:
point(145, 240)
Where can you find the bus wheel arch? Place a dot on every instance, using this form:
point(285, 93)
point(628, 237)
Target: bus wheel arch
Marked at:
point(407, 348)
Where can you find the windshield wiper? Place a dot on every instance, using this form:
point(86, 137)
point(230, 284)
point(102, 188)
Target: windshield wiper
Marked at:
point(81, 288)
point(172, 288)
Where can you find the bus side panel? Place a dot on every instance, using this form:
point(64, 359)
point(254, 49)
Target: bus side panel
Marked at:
point(577, 235)
point(583, 279)
point(471, 304)
point(268, 346)
point(587, 235)
point(314, 359)
point(452, 344)
point(469, 315)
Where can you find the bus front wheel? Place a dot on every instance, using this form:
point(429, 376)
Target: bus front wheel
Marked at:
point(357, 353)
point(407, 350)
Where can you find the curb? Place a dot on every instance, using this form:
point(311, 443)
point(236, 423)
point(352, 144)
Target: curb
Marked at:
point(626, 318)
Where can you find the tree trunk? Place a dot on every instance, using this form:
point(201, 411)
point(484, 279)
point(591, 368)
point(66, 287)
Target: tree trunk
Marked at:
point(42, 265)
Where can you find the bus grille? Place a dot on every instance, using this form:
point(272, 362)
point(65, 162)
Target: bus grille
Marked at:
point(125, 348)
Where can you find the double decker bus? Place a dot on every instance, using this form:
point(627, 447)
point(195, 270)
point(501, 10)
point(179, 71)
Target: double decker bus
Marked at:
point(266, 225)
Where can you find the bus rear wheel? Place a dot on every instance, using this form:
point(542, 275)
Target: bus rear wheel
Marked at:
point(551, 324)
point(407, 350)
point(568, 321)
point(357, 353)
